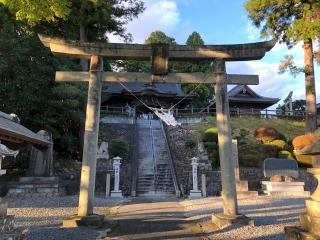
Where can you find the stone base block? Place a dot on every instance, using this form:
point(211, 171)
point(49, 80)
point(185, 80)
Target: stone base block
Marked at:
point(28, 187)
point(247, 194)
point(222, 220)
point(284, 189)
point(116, 194)
point(296, 233)
point(195, 194)
point(242, 185)
point(93, 220)
point(6, 224)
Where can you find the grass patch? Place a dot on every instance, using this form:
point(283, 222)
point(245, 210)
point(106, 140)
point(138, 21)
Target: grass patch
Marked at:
point(251, 152)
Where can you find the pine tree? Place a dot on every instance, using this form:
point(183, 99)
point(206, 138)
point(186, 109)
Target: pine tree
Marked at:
point(290, 22)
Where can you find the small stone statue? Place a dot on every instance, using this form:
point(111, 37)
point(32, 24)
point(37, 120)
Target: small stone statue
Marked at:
point(103, 151)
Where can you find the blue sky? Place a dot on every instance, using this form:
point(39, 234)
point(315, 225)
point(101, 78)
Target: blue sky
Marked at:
point(221, 22)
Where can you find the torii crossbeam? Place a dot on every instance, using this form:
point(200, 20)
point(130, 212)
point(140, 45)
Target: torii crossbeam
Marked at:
point(159, 54)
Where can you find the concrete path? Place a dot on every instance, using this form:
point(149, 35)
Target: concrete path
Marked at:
point(152, 220)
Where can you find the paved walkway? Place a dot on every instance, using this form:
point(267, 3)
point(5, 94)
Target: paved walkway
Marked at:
point(153, 219)
point(144, 219)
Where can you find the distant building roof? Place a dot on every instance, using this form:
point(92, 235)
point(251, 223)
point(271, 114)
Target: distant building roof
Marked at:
point(243, 93)
point(169, 89)
point(13, 133)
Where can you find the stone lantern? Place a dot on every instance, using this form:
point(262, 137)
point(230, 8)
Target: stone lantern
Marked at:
point(195, 192)
point(310, 221)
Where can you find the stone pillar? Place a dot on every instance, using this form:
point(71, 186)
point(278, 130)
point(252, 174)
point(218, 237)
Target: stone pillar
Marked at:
point(116, 166)
point(229, 194)
point(108, 178)
point(230, 213)
point(204, 185)
point(88, 171)
point(195, 192)
point(236, 158)
point(2, 171)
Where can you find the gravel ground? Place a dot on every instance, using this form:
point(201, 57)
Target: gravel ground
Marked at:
point(43, 216)
point(271, 215)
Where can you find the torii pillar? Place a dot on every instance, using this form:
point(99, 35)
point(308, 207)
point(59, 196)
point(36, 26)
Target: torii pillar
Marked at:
point(230, 213)
point(88, 171)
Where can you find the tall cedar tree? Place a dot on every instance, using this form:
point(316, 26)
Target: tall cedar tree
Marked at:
point(290, 21)
point(63, 19)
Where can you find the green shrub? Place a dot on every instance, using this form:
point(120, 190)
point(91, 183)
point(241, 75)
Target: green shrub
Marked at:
point(279, 144)
point(213, 153)
point(285, 154)
point(118, 147)
point(190, 144)
point(210, 135)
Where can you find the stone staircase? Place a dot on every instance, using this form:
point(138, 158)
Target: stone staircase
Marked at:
point(154, 174)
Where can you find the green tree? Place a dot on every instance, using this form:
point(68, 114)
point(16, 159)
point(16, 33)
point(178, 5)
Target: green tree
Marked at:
point(41, 10)
point(195, 39)
point(290, 22)
point(201, 93)
point(159, 37)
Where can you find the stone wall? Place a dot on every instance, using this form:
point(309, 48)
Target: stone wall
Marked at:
point(107, 133)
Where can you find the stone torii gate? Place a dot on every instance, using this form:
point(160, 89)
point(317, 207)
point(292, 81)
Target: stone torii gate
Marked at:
point(159, 55)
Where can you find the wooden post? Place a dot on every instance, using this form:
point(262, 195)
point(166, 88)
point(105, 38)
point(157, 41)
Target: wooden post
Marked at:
point(88, 172)
point(229, 193)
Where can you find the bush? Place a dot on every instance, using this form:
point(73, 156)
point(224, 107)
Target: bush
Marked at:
point(279, 144)
point(285, 154)
point(210, 135)
point(213, 152)
point(118, 147)
point(268, 134)
point(190, 144)
point(303, 140)
point(304, 160)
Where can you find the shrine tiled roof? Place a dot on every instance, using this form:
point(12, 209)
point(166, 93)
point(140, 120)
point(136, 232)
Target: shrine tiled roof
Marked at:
point(12, 130)
point(170, 89)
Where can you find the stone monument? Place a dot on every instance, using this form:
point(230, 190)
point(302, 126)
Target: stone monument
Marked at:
point(282, 174)
point(117, 193)
point(288, 108)
point(310, 222)
point(195, 192)
point(242, 186)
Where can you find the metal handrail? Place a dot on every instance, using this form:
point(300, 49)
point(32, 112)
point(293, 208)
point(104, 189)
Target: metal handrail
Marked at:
point(135, 164)
point(171, 164)
point(154, 157)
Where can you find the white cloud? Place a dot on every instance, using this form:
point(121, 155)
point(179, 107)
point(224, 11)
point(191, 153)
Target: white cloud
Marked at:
point(160, 15)
point(252, 32)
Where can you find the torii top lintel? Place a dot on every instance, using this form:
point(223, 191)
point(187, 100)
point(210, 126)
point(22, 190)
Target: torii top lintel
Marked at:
point(232, 52)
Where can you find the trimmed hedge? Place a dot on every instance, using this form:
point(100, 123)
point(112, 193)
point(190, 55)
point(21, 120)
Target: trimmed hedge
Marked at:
point(285, 154)
point(279, 144)
point(118, 147)
point(268, 134)
point(303, 141)
point(210, 135)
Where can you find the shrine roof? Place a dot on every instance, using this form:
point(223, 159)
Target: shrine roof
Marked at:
point(12, 131)
point(243, 93)
point(163, 89)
